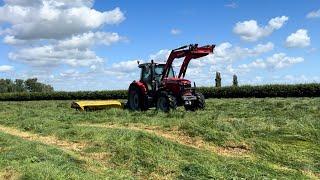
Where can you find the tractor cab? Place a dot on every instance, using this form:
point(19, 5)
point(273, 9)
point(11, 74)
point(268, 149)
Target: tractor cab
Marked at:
point(151, 74)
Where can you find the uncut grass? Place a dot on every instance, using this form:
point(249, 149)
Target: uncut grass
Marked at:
point(282, 134)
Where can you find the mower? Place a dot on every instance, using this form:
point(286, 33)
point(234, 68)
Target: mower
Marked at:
point(159, 86)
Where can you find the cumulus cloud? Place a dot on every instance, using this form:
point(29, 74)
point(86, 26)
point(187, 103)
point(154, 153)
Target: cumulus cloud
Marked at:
point(6, 68)
point(313, 14)
point(298, 39)
point(126, 66)
point(251, 31)
point(52, 56)
point(226, 52)
point(51, 33)
point(276, 61)
point(160, 56)
point(52, 20)
point(11, 40)
point(281, 60)
point(89, 39)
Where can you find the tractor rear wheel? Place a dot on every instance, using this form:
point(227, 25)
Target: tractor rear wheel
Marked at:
point(134, 99)
point(166, 102)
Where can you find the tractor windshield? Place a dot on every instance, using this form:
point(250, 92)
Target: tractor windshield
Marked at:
point(159, 69)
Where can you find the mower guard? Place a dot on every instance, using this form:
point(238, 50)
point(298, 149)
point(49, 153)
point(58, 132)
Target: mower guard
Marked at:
point(97, 104)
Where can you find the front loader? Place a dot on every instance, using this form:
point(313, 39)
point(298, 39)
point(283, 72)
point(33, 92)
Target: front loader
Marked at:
point(159, 86)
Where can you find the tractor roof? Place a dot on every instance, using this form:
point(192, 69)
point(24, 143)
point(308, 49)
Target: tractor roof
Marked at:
point(147, 64)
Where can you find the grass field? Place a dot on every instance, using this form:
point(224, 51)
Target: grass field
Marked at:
point(233, 138)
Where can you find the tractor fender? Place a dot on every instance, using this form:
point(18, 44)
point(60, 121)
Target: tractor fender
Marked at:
point(143, 92)
point(140, 86)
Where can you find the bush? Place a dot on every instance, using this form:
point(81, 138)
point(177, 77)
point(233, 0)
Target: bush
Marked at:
point(298, 90)
point(79, 95)
point(276, 90)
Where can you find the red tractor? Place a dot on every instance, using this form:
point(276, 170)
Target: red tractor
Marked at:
point(159, 87)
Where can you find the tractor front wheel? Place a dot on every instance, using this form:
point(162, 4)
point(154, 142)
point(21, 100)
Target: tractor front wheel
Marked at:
point(200, 103)
point(166, 102)
point(134, 99)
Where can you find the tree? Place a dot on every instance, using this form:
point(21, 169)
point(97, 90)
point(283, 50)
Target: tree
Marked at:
point(32, 85)
point(3, 86)
point(218, 79)
point(235, 81)
point(19, 85)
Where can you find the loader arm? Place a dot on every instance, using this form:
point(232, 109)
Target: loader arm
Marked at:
point(189, 52)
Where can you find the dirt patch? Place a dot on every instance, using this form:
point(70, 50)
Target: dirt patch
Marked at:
point(311, 174)
point(49, 140)
point(9, 174)
point(177, 136)
point(234, 148)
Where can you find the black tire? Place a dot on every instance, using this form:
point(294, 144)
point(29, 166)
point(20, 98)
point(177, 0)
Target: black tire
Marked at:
point(197, 104)
point(166, 102)
point(201, 102)
point(134, 99)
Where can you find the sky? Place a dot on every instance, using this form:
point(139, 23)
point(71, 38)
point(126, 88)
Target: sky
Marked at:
point(95, 45)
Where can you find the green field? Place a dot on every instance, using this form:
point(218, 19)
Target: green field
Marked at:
point(232, 138)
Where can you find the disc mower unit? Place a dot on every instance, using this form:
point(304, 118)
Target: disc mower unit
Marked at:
point(98, 104)
point(159, 86)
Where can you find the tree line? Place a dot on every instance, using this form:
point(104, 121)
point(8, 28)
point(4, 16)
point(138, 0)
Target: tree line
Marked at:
point(20, 85)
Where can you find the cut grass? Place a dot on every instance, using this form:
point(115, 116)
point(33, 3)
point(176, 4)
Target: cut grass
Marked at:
point(281, 136)
point(20, 159)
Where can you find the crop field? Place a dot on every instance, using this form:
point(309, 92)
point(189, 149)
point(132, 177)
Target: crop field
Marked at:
point(232, 138)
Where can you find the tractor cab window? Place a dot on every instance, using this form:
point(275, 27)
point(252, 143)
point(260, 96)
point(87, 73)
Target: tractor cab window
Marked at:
point(158, 72)
point(146, 73)
point(146, 76)
point(171, 72)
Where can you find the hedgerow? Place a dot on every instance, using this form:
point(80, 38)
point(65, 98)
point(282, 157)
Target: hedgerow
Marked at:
point(262, 91)
point(297, 90)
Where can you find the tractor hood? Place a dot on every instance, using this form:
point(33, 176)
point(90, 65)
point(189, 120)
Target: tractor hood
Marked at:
point(179, 81)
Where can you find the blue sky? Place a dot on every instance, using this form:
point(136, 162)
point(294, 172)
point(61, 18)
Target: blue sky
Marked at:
point(94, 45)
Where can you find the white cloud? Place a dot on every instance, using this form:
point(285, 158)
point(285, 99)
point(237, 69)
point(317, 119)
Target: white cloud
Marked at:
point(313, 14)
point(225, 52)
point(59, 3)
point(289, 78)
point(160, 56)
point(11, 40)
point(6, 68)
point(175, 31)
point(298, 39)
point(51, 56)
point(126, 66)
point(276, 61)
point(281, 60)
point(54, 19)
point(89, 39)
point(251, 31)
point(257, 64)
point(73, 51)
point(49, 33)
